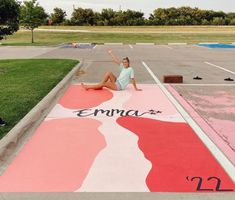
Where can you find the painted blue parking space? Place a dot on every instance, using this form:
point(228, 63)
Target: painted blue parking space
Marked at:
point(218, 46)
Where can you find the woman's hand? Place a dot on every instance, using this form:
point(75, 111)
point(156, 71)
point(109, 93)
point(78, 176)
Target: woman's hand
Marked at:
point(134, 84)
point(110, 51)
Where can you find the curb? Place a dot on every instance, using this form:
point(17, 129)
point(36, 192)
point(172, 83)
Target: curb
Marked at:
point(113, 43)
point(84, 43)
point(10, 143)
point(145, 43)
point(118, 196)
point(177, 43)
point(208, 43)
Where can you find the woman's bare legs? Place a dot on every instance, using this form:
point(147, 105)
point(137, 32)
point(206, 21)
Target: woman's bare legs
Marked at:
point(109, 81)
point(100, 86)
point(109, 76)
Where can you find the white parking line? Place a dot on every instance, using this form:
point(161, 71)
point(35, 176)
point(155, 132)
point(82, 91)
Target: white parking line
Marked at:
point(131, 46)
point(221, 158)
point(95, 46)
point(213, 65)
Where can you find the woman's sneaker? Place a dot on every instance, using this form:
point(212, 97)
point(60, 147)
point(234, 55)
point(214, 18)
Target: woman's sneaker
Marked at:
point(2, 123)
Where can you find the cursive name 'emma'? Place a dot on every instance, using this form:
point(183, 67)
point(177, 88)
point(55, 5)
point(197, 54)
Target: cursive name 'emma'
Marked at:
point(113, 112)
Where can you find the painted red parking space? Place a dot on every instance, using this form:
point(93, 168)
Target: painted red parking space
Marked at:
point(125, 141)
point(177, 156)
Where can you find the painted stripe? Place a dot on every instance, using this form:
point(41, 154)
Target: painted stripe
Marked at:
point(219, 67)
point(95, 46)
point(131, 46)
point(221, 158)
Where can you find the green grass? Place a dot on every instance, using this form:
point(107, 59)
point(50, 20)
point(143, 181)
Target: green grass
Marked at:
point(146, 29)
point(55, 38)
point(24, 83)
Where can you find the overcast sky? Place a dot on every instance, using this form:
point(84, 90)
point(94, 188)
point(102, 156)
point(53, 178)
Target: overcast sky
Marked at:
point(146, 6)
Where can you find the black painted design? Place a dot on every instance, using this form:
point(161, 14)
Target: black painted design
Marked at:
point(200, 182)
point(114, 112)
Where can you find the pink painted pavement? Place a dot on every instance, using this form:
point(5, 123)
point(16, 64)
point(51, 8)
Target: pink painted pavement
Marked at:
point(106, 141)
point(221, 131)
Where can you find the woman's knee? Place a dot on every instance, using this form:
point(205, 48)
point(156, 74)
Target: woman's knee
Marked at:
point(109, 73)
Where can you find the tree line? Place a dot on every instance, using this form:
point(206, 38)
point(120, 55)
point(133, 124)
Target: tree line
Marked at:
point(160, 16)
point(31, 15)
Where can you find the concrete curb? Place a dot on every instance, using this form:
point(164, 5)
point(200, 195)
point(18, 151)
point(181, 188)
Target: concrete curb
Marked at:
point(177, 43)
point(10, 143)
point(83, 43)
point(208, 43)
point(113, 43)
point(117, 196)
point(145, 43)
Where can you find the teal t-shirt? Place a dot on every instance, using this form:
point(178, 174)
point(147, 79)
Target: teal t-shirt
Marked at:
point(126, 74)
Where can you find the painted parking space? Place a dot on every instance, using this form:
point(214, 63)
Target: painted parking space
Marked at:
point(189, 69)
point(213, 108)
point(125, 141)
point(228, 65)
point(218, 46)
point(104, 141)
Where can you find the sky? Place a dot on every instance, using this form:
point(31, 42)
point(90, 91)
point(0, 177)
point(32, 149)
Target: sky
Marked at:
point(146, 6)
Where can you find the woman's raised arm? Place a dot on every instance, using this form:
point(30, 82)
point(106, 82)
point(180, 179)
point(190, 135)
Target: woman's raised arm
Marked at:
point(115, 59)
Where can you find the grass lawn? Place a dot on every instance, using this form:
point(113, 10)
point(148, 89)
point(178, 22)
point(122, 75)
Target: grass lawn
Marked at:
point(148, 29)
point(23, 83)
point(55, 38)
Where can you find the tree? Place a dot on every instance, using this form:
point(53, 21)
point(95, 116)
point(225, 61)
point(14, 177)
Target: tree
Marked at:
point(232, 22)
point(82, 16)
point(218, 21)
point(9, 17)
point(32, 15)
point(189, 16)
point(134, 18)
point(107, 16)
point(205, 22)
point(58, 16)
